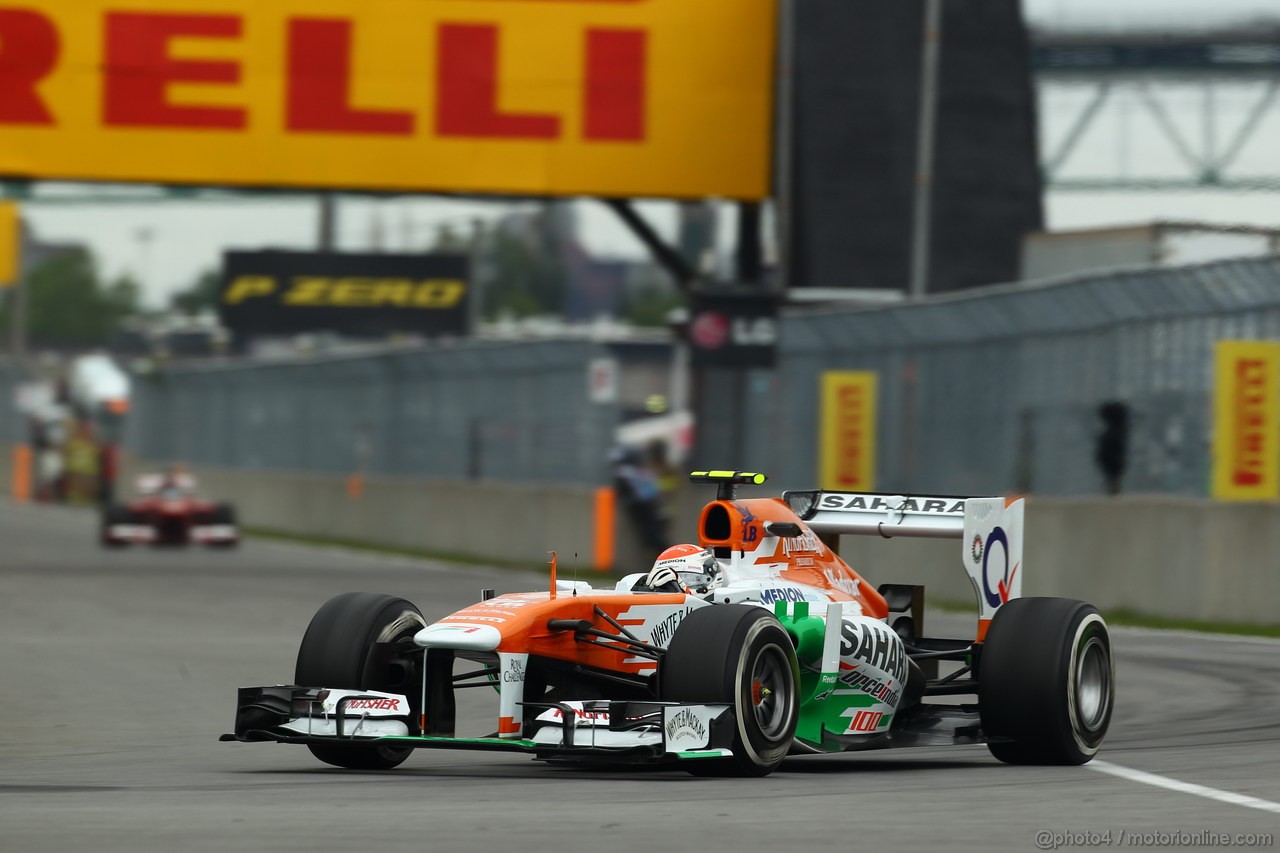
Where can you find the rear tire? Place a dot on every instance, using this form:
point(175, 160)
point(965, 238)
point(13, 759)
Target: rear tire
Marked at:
point(337, 652)
point(741, 656)
point(1046, 681)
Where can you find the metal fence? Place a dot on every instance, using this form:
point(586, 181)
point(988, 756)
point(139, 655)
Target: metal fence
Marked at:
point(13, 429)
point(518, 412)
point(979, 392)
point(987, 392)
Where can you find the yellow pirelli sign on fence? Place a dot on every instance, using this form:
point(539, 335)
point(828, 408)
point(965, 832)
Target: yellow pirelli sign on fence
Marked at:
point(1246, 424)
point(847, 455)
point(559, 97)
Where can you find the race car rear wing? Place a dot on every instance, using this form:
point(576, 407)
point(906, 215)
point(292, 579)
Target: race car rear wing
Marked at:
point(990, 530)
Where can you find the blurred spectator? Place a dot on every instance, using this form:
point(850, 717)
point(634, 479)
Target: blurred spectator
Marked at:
point(108, 469)
point(1112, 451)
point(636, 484)
point(667, 477)
point(80, 459)
point(48, 434)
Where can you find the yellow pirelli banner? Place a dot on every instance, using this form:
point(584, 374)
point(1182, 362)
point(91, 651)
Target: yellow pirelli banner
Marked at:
point(550, 97)
point(847, 459)
point(10, 244)
point(1246, 424)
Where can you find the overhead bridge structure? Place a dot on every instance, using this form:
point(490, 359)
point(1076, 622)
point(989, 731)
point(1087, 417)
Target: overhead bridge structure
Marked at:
point(1159, 112)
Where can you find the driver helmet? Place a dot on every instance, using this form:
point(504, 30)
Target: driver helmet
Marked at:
point(685, 568)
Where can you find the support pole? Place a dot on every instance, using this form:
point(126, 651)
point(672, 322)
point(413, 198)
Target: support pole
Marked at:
point(925, 143)
point(326, 234)
point(667, 257)
point(750, 252)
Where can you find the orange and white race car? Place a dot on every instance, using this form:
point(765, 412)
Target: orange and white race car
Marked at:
point(769, 645)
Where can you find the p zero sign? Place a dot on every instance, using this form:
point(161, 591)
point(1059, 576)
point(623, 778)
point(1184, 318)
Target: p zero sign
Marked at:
point(276, 293)
point(604, 97)
point(1246, 424)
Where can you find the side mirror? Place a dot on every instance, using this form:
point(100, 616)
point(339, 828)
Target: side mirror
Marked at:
point(785, 529)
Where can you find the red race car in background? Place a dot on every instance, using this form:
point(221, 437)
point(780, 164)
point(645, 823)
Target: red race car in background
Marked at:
point(168, 512)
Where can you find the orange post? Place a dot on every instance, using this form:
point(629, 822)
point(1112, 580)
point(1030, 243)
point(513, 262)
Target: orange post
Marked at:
point(20, 484)
point(606, 508)
point(355, 486)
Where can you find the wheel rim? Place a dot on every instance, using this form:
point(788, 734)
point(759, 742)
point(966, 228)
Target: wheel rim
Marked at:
point(769, 692)
point(1093, 684)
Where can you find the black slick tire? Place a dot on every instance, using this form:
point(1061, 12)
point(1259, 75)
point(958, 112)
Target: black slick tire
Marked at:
point(112, 515)
point(741, 656)
point(225, 513)
point(338, 652)
point(1046, 682)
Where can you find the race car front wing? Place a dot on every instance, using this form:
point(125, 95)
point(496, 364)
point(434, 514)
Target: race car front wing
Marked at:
point(200, 534)
point(602, 730)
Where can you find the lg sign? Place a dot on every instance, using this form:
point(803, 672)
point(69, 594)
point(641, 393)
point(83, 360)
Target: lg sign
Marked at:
point(709, 330)
point(564, 96)
point(734, 330)
point(712, 330)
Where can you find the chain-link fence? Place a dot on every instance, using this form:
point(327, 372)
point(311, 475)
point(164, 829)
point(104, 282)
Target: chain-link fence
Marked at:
point(517, 412)
point(1000, 390)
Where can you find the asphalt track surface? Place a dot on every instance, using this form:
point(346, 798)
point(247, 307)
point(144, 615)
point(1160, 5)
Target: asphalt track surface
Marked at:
point(119, 671)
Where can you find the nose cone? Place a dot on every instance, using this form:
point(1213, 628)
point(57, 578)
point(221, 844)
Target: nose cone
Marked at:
point(457, 635)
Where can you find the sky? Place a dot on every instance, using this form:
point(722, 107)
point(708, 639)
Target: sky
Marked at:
point(166, 246)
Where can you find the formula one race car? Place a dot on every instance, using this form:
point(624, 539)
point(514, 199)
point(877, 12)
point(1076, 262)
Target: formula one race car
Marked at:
point(167, 512)
point(770, 646)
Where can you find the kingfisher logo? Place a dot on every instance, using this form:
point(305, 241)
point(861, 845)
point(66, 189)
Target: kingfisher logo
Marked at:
point(373, 705)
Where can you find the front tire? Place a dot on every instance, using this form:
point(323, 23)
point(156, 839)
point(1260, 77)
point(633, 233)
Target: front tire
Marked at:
point(1046, 681)
point(225, 513)
point(338, 651)
point(112, 515)
point(737, 655)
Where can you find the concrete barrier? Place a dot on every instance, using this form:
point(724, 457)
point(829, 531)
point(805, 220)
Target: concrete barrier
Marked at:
point(510, 522)
point(1171, 557)
point(6, 468)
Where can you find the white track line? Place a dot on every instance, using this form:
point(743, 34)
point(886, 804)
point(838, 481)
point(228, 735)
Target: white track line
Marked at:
point(1185, 787)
